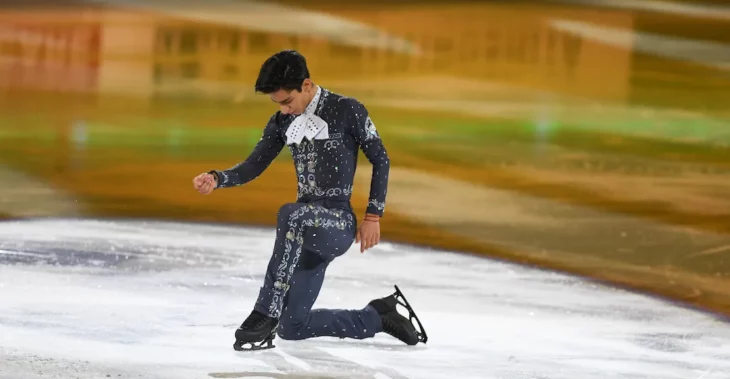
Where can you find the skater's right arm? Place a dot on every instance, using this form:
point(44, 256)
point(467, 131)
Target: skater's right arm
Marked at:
point(265, 151)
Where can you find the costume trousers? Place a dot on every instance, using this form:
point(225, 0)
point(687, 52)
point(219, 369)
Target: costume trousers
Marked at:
point(308, 238)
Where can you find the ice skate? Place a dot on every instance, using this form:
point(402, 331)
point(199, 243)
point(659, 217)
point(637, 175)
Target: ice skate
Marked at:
point(396, 324)
point(256, 333)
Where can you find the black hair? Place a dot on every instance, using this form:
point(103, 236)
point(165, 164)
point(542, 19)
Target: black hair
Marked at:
point(286, 70)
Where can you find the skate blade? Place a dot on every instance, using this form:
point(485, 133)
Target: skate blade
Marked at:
point(421, 332)
point(250, 346)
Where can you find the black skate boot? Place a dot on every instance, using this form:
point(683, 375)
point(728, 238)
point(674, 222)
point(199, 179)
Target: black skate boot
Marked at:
point(258, 330)
point(396, 324)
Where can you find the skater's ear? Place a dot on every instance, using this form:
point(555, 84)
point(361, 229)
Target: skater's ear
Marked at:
point(307, 85)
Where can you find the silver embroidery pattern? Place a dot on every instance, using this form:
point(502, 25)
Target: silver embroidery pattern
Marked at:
point(323, 96)
point(379, 205)
point(305, 159)
point(370, 131)
point(307, 189)
point(331, 144)
point(294, 240)
point(347, 191)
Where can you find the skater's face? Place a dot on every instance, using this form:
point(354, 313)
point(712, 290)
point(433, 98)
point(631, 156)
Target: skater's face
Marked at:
point(294, 102)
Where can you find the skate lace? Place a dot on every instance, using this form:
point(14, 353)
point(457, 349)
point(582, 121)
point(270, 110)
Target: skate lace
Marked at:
point(254, 322)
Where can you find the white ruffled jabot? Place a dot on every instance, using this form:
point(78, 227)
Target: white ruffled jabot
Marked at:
point(308, 124)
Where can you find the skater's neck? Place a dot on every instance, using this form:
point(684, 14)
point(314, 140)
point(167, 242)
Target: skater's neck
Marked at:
point(311, 95)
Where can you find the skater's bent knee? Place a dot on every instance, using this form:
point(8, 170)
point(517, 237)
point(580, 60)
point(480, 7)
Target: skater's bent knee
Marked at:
point(288, 208)
point(287, 211)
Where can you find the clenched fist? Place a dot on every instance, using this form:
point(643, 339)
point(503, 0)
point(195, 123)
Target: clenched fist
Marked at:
point(204, 183)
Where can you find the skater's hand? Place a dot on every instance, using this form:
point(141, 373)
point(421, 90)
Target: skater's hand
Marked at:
point(368, 235)
point(204, 183)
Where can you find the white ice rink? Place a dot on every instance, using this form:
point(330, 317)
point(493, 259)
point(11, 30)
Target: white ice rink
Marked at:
point(97, 299)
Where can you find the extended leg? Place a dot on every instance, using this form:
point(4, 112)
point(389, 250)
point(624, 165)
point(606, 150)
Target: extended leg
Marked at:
point(299, 321)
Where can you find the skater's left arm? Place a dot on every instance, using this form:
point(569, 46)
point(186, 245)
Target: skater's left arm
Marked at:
point(367, 138)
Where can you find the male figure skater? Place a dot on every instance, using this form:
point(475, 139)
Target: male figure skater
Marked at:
point(324, 132)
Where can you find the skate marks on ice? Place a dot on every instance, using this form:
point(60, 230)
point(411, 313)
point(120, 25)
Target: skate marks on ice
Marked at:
point(123, 247)
point(161, 300)
point(301, 362)
point(15, 364)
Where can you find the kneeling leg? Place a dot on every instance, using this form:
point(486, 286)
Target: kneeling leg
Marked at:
point(299, 321)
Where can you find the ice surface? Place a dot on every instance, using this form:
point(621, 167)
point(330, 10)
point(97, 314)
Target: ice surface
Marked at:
point(132, 299)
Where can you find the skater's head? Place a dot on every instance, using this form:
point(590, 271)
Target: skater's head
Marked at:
point(285, 78)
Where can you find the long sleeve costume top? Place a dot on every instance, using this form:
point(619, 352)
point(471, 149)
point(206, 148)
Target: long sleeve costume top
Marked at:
point(325, 165)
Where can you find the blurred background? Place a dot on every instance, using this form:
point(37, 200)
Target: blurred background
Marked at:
point(586, 136)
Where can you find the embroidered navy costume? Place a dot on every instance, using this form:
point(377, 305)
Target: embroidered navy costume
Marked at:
point(324, 132)
point(324, 142)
